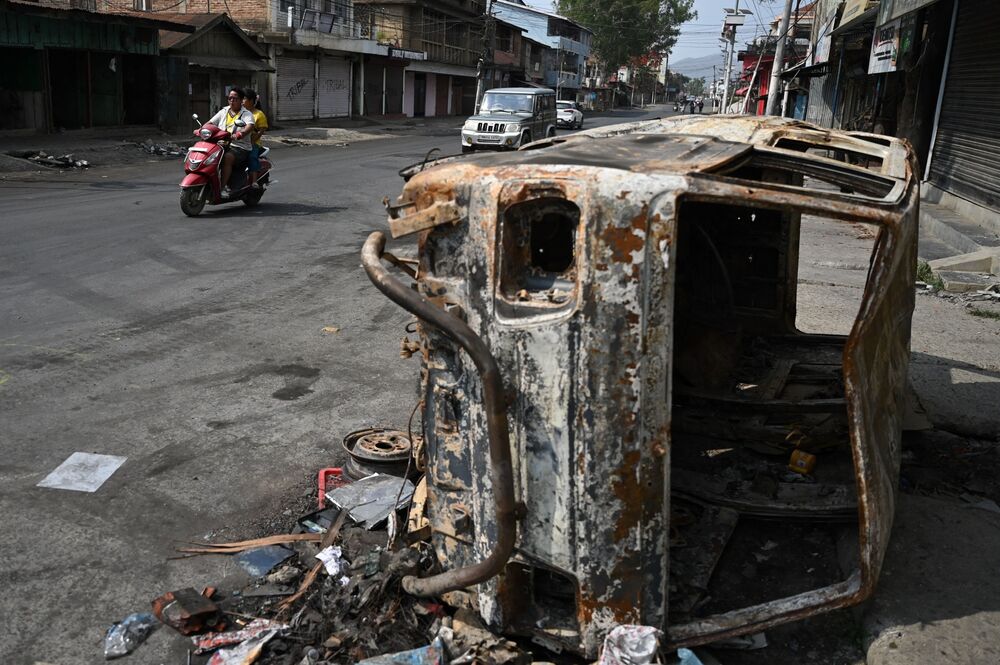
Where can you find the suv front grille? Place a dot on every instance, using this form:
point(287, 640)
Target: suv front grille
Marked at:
point(497, 127)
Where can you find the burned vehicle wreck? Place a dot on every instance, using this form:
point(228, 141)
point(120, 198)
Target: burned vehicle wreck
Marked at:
point(614, 384)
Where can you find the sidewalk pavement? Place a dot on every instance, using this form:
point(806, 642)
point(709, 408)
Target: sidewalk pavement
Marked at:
point(121, 145)
point(346, 128)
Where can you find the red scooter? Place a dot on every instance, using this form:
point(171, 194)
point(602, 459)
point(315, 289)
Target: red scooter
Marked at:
point(202, 166)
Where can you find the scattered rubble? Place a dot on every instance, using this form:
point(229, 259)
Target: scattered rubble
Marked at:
point(348, 604)
point(189, 612)
point(631, 645)
point(166, 149)
point(42, 158)
point(123, 638)
point(260, 561)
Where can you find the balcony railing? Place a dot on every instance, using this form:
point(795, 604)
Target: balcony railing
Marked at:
point(562, 79)
point(452, 55)
point(337, 25)
point(573, 46)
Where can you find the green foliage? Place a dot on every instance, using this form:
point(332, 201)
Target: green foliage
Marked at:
point(625, 30)
point(984, 313)
point(927, 276)
point(696, 87)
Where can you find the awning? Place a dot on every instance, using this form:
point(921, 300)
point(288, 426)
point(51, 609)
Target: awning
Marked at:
point(804, 71)
point(440, 68)
point(861, 22)
point(226, 62)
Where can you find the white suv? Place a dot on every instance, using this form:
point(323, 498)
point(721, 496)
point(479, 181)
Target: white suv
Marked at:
point(568, 114)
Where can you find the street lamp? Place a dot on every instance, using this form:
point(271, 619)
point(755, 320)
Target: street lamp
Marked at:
point(734, 17)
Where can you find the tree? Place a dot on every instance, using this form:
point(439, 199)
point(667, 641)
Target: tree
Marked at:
point(627, 29)
point(696, 87)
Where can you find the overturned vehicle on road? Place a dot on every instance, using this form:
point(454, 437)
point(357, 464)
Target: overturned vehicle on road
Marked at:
point(622, 419)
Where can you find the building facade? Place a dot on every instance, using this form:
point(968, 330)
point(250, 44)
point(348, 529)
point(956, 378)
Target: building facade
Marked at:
point(563, 65)
point(923, 70)
point(70, 67)
point(448, 35)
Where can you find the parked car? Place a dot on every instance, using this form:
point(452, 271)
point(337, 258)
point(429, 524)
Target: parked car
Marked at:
point(509, 118)
point(568, 114)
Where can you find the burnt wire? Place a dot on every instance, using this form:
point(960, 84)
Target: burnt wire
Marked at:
point(409, 463)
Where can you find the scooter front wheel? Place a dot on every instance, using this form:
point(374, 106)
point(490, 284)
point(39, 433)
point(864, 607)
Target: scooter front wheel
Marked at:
point(193, 200)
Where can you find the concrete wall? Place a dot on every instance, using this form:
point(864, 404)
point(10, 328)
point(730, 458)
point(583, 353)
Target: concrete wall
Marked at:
point(252, 15)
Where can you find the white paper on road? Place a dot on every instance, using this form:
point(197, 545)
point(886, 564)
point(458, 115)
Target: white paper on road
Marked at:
point(83, 472)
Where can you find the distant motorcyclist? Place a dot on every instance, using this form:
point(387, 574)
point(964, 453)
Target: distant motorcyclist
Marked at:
point(239, 146)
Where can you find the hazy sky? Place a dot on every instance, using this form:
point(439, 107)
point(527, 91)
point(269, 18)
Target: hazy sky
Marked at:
point(701, 36)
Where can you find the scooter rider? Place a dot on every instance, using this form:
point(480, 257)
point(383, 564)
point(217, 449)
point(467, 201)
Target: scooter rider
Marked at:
point(239, 146)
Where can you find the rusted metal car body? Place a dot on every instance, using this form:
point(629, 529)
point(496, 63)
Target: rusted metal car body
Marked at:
point(592, 319)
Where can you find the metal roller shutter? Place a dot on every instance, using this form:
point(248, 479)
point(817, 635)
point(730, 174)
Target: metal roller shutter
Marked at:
point(296, 87)
point(334, 88)
point(966, 160)
point(394, 90)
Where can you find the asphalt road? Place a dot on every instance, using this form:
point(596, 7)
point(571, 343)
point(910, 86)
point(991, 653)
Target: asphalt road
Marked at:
point(195, 349)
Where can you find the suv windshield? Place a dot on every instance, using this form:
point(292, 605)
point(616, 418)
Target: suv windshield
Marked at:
point(564, 105)
point(497, 101)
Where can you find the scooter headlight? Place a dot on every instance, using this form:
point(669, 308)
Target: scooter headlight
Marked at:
point(205, 133)
point(213, 158)
point(194, 160)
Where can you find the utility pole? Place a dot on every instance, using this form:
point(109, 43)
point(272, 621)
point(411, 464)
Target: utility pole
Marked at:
point(729, 58)
point(715, 89)
point(779, 60)
point(559, 74)
point(489, 25)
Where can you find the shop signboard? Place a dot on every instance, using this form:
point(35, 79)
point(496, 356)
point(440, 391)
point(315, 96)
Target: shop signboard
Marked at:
point(893, 9)
point(824, 39)
point(854, 9)
point(885, 48)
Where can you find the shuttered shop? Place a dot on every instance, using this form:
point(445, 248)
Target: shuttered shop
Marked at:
point(296, 87)
point(966, 159)
point(334, 87)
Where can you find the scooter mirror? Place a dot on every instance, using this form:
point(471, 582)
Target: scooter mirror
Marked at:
point(195, 116)
point(239, 123)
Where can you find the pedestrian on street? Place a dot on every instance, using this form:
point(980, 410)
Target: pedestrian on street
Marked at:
point(239, 145)
point(250, 103)
point(701, 104)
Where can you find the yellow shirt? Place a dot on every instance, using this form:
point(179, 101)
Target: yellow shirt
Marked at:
point(259, 125)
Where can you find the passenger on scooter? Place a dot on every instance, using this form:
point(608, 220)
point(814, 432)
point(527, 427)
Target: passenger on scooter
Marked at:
point(239, 147)
point(259, 127)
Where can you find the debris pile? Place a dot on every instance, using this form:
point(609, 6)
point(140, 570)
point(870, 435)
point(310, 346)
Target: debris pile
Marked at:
point(330, 591)
point(166, 149)
point(67, 161)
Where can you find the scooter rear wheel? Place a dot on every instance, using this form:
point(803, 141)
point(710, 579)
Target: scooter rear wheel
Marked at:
point(253, 197)
point(193, 200)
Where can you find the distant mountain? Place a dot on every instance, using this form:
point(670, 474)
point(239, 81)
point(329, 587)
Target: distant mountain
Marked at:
point(699, 67)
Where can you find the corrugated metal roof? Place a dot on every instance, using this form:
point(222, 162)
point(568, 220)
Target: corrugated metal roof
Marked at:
point(223, 62)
